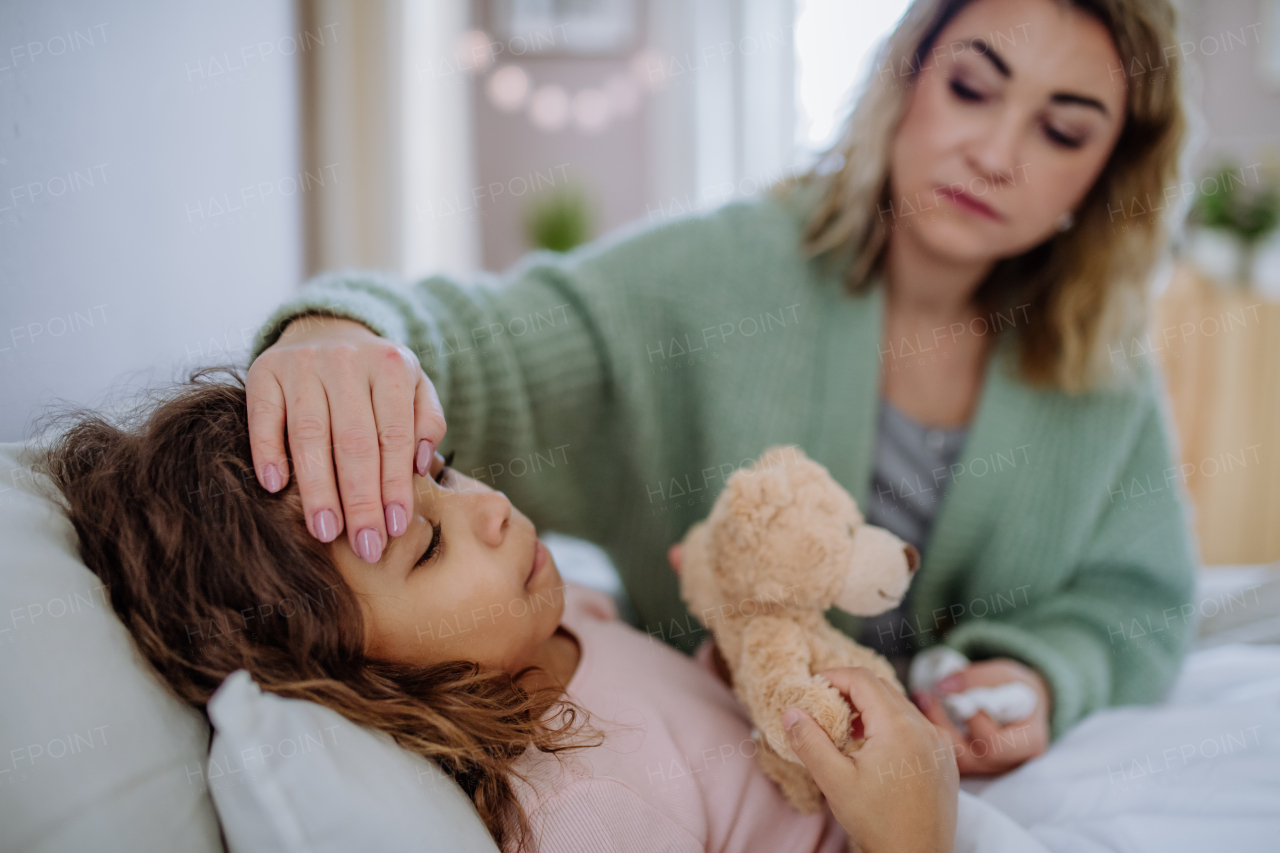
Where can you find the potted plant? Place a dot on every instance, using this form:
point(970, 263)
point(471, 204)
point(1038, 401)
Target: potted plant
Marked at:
point(559, 218)
point(1231, 220)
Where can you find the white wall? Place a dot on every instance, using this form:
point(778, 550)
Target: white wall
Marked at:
point(1225, 40)
point(150, 212)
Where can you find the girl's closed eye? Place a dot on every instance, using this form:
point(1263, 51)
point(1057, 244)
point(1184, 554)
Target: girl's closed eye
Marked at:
point(444, 469)
point(433, 549)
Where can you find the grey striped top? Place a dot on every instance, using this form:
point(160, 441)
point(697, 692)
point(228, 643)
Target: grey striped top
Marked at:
point(911, 472)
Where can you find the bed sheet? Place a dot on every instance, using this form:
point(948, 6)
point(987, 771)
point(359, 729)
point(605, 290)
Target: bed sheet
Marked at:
point(1199, 771)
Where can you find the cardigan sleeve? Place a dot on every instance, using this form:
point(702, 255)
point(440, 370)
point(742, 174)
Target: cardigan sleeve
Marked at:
point(605, 815)
point(1116, 632)
point(543, 371)
point(520, 363)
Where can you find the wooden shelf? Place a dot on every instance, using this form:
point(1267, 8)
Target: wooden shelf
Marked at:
point(1219, 350)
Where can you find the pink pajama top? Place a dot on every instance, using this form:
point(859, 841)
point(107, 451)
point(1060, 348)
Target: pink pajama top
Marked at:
point(676, 771)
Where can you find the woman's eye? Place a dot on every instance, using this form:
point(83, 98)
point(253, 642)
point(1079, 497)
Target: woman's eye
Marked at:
point(1062, 138)
point(433, 550)
point(964, 92)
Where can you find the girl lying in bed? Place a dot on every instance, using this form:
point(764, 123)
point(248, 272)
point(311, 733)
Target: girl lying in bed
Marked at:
point(569, 729)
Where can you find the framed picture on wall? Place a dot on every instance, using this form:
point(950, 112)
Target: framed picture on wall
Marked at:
point(566, 27)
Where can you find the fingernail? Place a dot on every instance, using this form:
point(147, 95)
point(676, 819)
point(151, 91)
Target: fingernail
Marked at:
point(422, 462)
point(397, 520)
point(790, 718)
point(369, 545)
point(324, 524)
point(951, 682)
point(271, 478)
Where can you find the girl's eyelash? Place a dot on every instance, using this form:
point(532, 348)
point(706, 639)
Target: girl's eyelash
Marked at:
point(448, 460)
point(433, 550)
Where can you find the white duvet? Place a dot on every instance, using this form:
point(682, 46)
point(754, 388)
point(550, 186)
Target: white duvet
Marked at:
point(1198, 772)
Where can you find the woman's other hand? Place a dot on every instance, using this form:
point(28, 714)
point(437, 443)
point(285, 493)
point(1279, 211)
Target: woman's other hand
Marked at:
point(899, 792)
point(990, 748)
point(360, 417)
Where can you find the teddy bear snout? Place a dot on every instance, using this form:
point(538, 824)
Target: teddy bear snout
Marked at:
point(913, 558)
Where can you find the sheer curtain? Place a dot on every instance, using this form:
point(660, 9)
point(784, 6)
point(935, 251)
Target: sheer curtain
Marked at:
point(386, 115)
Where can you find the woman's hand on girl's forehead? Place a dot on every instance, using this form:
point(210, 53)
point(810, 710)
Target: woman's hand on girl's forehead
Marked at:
point(359, 416)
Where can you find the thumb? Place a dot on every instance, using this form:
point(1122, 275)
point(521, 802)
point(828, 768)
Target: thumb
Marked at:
point(814, 748)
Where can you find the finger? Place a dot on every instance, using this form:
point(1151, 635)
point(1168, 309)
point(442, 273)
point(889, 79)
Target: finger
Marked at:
point(675, 556)
point(1014, 743)
point(969, 764)
point(265, 405)
point(393, 409)
point(869, 694)
point(428, 423)
point(984, 734)
point(310, 440)
point(828, 765)
point(357, 456)
point(989, 673)
point(996, 748)
point(935, 713)
point(956, 682)
point(949, 736)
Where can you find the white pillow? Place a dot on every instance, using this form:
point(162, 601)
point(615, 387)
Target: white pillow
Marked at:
point(95, 753)
point(294, 776)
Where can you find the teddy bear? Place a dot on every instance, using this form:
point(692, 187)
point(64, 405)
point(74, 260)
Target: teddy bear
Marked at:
point(783, 542)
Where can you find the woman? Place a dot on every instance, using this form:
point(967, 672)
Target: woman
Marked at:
point(463, 644)
point(934, 315)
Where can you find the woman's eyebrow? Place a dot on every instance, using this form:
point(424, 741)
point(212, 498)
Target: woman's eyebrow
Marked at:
point(980, 47)
point(1082, 100)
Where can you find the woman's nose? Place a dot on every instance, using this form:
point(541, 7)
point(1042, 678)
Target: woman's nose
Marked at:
point(995, 153)
point(491, 515)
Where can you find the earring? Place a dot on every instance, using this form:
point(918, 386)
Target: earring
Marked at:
point(1066, 220)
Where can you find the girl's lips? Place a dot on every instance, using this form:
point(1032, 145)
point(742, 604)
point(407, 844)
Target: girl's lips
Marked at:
point(539, 560)
point(967, 202)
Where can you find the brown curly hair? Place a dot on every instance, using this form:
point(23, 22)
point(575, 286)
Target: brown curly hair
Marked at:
point(171, 518)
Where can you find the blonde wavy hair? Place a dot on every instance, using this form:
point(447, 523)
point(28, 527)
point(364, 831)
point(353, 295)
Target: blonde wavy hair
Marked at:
point(1087, 287)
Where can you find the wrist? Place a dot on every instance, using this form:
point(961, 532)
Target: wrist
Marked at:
point(307, 326)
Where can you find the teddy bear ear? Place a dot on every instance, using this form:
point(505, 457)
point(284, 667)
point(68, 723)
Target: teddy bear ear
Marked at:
point(780, 457)
point(752, 498)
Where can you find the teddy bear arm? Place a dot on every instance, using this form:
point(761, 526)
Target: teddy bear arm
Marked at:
point(833, 649)
point(774, 674)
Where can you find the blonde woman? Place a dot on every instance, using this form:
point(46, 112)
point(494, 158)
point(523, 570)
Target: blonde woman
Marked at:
point(937, 314)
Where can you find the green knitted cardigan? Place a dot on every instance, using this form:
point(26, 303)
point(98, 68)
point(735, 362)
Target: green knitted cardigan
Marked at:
point(610, 391)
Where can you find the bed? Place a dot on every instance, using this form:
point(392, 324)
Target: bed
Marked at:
point(97, 755)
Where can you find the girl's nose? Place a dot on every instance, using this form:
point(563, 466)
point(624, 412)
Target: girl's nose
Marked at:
point(491, 514)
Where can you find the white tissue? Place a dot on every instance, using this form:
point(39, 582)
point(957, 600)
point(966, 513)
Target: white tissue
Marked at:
point(1006, 703)
point(931, 666)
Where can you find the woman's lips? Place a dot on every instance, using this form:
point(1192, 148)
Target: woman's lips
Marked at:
point(539, 560)
point(967, 202)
